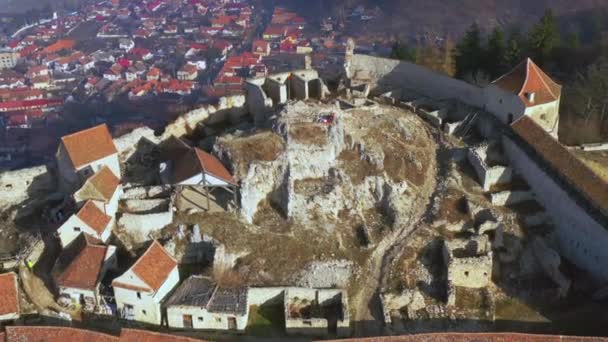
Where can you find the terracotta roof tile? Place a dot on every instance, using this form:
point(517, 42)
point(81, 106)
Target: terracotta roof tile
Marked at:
point(80, 263)
point(105, 182)
point(479, 337)
point(128, 335)
point(211, 165)
point(571, 168)
point(528, 78)
point(54, 334)
point(153, 267)
point(89, 145)
point(9, 300)
point(94, 217)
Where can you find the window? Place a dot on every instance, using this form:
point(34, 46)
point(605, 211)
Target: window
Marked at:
point(200, 319)
point(77, 229)
point(138, 295)
point(218, 319)
point(144, 312)
point(466, 273)
point(500, 101)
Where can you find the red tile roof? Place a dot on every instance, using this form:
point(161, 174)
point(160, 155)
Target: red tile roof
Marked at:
point(94, 217)
point(54, 334)
point(89, 145)
point(85, 258)
point(29, 104)
point(153, 268)
point(211, 165)
point(105, 182)
point(528, 78)
point(129, 335)
point(9, 300)
point(478, 337)
point(63, 44)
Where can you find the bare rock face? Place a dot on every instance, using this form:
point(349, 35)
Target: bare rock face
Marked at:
point(334, 162)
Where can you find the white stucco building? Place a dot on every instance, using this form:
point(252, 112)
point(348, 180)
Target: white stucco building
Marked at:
point(81, 267)
point(89, 219)
point(82, 154)
point(140, 291)
point(199, 303)
point(103, 189)
point(525, 90)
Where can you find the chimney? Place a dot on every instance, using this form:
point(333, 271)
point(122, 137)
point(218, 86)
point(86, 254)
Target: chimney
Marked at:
point(531, 97)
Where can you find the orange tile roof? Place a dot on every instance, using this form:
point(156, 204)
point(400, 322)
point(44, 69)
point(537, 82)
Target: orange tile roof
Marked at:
point(62, 44)
point(85, 258)
point(9, 300)
point(105, 182)
point(55, 334)
point(527, 78)
point(89, 145)
point(478, 337)
point(128, 335)
point(153, 267)
point(94, 217)
point(211, 165)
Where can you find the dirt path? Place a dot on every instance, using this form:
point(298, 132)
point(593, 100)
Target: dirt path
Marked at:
point(368, 317)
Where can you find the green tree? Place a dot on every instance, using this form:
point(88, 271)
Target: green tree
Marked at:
point(469, 52)
point(513, 50)
point(543, 38)
point(402, 52)
point(495, 63)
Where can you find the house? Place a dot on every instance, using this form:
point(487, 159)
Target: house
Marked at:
point(89, 219)
point(83, 153)
point(316, 312)
point(114, 73)
point(37, 70)
point(140, 291)
point(103, 189)
point(188, 72)
point(41, 82)
point(525, 91)
point(193, 166)
point(199, 303)
point(274, 32)
point(9, 305)
point(81, 266)
point(260, 47)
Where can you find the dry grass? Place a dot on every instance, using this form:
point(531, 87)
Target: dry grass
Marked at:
point(596, 161)
point(309, 134)
point(356, 168)
point(311, 186)
point(264, 146)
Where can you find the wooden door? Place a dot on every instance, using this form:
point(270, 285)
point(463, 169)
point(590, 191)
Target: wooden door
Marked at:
point(187, 321)
point(232, 323)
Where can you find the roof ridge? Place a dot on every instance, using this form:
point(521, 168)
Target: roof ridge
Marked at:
point(84, 131)
point(540, 73)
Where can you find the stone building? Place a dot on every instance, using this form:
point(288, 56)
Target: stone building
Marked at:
point(316, 312)
point(82, 154)
point(140, 291)
point(199, 303)
point(80, 268)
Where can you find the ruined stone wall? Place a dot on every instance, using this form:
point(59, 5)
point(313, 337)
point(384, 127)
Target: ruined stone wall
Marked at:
point(488, 176)
point(228, 108)
point(473, 272)
point(510, 197)
point(388, 74)
point(582, 239)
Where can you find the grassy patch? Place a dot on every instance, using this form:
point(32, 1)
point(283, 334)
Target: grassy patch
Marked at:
point(266, 320)
point(515, 310)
